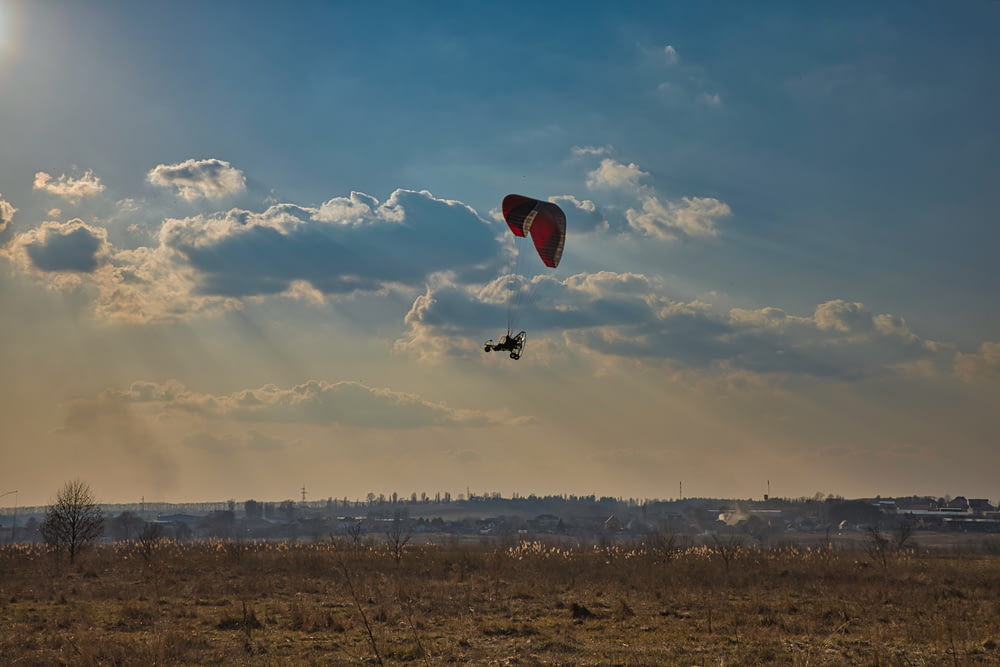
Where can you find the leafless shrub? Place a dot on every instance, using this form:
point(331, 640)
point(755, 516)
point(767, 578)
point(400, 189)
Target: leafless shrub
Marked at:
point(661, 546)
point(726, 550)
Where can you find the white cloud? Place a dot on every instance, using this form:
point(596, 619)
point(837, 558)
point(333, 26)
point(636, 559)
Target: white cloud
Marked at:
point(7, 212)
point(581, 204)
point(982, 365)
point(207, 264)
point(197, 179)
point(630, 317)
point(149, 286)
point(445, 319)
point(668, 220)
point(590, 150)
point(843, 316)
point(605, 284)
point(62, 251)
point(712, 99)
point(302, 290)
point(613, 174)
point(347, 246)
point(69, 188)
point(351, 210)
point(670, 54)
point(765, 318)
point(657, 217)
point(142, 285)
point(584, 215)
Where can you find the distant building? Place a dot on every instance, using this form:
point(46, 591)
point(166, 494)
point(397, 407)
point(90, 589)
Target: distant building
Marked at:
point(546, 522)
point(958, 503)
point(980, 506)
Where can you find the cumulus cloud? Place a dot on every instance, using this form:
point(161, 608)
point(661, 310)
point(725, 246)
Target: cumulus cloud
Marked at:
point(982, 365)
point(148, 286)
point(446, 319)
point(349, 404)
point(67, 249)
point(669, 220)
point(670, 54)
point(630, 316)
point(196, 179)
point(69, 188)
point(348, 245)
point(658, 217)
point(352, 210)
point(206, 264)
point(580, 204)
point(209, 263)
point(7, 212)
point(586, 216)
point(840, 339)
point(614, 174)
point(843, 317)
point(143, 285)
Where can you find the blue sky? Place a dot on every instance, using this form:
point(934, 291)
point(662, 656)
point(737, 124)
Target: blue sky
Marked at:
point(246, 247)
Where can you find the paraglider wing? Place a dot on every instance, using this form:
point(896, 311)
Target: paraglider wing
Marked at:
point(543, 221)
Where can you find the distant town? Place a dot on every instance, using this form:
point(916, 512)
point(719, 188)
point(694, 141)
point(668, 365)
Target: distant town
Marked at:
point(490, 515)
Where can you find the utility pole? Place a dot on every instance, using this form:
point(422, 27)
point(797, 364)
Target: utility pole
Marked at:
point(303, 494)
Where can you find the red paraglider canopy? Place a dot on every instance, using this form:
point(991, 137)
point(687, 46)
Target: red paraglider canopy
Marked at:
point(544, 221)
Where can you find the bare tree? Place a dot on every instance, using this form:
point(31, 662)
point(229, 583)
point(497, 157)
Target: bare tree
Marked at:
point(125, 527)
point(397, 535)
point(902, 534)
point(877, 546)
point(355, 531)
point(74, 520)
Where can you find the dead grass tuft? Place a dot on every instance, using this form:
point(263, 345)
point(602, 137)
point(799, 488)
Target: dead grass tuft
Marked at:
point(653, 603)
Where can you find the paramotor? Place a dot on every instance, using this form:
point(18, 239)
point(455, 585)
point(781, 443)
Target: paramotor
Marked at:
point(545, 223)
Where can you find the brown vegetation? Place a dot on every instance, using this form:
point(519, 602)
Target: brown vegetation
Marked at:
point(526, 603)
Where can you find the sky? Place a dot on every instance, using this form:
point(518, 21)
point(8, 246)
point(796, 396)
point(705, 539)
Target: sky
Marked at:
point(250, 247)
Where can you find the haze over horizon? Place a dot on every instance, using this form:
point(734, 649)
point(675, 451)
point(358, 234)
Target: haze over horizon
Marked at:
point(248, 246)
point(487, 497)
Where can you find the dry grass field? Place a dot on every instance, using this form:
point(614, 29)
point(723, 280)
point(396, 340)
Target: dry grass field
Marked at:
point(496, 603)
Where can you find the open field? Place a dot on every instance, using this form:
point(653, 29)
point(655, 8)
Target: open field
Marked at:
point(659, 602)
